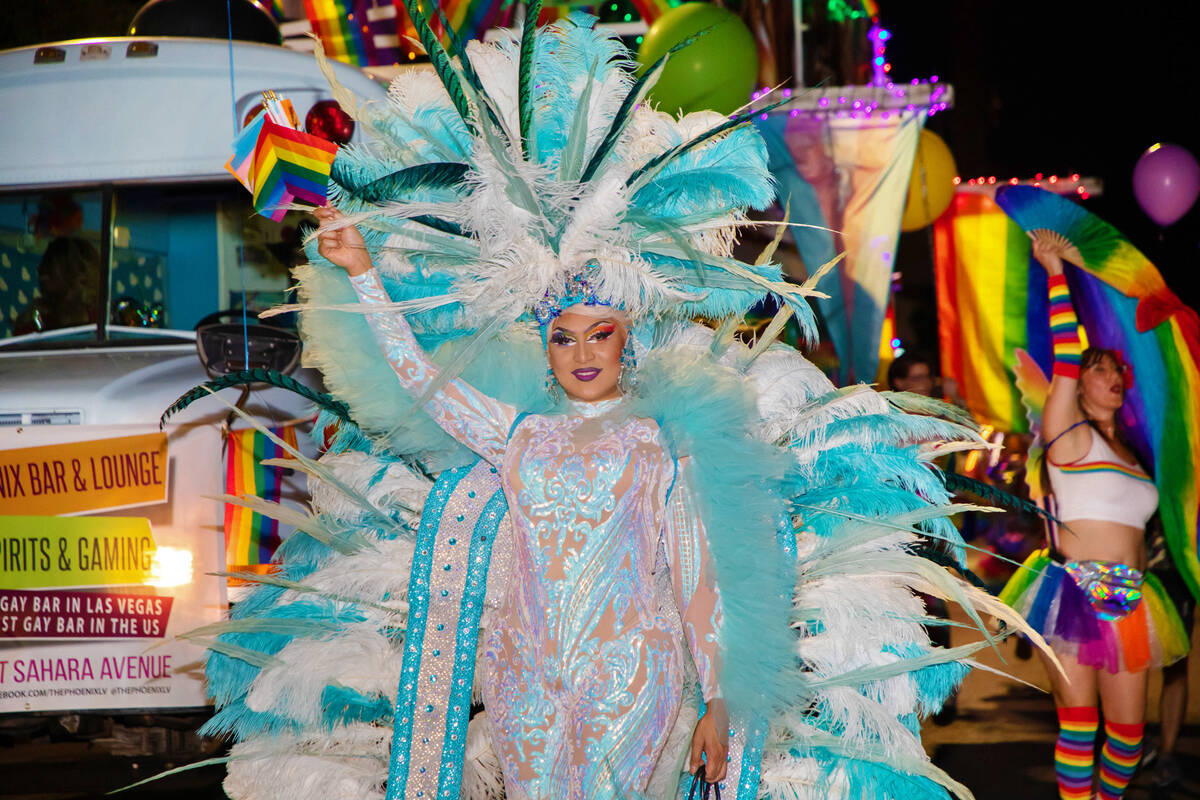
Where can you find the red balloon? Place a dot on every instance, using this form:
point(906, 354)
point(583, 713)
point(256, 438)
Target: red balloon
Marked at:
point(327, 120)
point(1166, 181)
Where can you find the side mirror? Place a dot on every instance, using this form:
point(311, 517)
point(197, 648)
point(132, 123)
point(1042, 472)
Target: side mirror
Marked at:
point(226, 347)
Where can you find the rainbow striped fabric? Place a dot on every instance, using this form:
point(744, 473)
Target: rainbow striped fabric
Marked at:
point(1105, 466)
point(341, 35)
point(650, 10)
point(992, 300)
point(990, 304)
point(251, 538)
point(1075, 751)
point(1119, 757)
point(1064, 329)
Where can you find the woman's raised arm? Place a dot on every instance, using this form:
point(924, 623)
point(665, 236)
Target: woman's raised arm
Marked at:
point(480, 422)
point(1062, 407)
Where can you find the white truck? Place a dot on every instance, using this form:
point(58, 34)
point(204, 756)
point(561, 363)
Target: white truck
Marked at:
point(120, 233)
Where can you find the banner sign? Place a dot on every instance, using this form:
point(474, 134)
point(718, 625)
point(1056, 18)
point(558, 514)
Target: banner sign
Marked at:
point(50, 552)
point(82, 615)
point(102, 474)
point(92, 606)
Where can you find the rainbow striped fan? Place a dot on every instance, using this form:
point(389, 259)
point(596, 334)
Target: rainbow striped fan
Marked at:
point(1124, 305)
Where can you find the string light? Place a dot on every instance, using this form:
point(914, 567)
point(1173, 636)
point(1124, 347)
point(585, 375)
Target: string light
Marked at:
point(1083, 187)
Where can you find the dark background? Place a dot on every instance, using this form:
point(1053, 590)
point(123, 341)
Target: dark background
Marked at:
point(1055, 86)
point(1058, 88)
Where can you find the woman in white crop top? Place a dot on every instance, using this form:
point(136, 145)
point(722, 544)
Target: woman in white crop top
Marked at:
point(1086, 594)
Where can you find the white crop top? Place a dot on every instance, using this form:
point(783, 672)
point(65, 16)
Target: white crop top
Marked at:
point(1102, 486)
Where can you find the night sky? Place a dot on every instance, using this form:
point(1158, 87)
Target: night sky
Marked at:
point(1051, 86)
point(1057, 88)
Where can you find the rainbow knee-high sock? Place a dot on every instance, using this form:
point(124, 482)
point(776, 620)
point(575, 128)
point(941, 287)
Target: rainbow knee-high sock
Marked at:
point(1075, 752)
point(1119, 757)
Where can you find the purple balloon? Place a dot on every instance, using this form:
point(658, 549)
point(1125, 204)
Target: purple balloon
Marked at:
point(1166, 181)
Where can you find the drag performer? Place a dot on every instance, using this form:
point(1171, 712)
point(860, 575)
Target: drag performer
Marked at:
point(1107, 620)
point(583, 673)
point(702, 558)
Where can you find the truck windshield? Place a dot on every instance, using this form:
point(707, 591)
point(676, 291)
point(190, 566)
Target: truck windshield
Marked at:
point(164, 258)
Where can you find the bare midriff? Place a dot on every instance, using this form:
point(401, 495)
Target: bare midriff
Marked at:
point(1101, 540)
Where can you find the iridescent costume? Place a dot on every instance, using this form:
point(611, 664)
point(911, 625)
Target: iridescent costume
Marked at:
point(583, 672)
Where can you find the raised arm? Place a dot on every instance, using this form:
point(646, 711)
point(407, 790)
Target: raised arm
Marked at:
point(480, 422)
point(699, 603)
point(1062, 406)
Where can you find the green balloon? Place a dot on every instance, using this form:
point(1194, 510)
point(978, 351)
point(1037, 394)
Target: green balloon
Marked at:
point(717, 72)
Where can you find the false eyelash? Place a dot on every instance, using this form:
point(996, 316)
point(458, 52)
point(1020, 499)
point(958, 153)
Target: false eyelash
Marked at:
point(558, 337)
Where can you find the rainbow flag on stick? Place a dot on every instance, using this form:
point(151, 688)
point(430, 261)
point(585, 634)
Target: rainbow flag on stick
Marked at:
point(251, 538)
point(289, 165)
point(279, 165)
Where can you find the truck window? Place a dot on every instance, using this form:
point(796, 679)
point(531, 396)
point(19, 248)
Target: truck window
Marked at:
point(179, 253)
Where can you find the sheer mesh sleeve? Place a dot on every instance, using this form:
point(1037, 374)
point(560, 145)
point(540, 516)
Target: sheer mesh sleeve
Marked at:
point(694, 584)
point(480, 422)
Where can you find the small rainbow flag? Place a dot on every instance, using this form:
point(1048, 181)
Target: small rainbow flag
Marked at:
point(251, 538)
point(289, 165)
point(243, 152)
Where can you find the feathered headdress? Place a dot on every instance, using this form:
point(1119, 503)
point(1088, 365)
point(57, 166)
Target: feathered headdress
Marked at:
point(520, 168)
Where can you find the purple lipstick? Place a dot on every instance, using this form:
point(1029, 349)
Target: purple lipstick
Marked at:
point(586, 374)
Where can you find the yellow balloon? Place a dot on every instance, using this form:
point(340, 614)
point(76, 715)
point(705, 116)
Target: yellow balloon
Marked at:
point(931, 187)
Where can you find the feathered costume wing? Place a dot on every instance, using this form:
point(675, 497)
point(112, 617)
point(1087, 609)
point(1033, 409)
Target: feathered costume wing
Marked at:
point(483, 188)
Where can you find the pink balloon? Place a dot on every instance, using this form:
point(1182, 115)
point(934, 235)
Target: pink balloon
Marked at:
point(1166, 181)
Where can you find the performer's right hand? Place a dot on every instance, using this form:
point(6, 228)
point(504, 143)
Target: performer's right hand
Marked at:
point(1048, 248)
point(344, 246)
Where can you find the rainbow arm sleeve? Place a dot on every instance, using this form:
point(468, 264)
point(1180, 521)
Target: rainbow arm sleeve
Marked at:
point(1064, 329)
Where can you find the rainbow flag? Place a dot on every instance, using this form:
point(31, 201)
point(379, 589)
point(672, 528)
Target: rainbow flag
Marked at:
point(341, 34)
point(250, 538)
point(289, 165)
point(242, 161)
point(992, 301)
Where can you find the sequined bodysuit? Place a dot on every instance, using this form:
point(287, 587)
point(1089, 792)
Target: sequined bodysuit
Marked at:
point(583, 670)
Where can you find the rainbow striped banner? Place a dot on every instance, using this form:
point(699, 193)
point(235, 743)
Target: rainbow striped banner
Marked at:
point(289, 165)
point(251, 538)
point(341, 35)
point(992, 300)
point(990, 303)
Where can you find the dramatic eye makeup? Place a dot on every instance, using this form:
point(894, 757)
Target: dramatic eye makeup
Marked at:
point(602, 331)
point(559, 336)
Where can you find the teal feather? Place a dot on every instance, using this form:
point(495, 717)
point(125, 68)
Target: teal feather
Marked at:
point(250, 377)
point(990, 494)
point(647, 171)
point(704, 411)
point(440, 60)
point(732, 170)
point(398, 185)
point(637, 94)
point(525, 77)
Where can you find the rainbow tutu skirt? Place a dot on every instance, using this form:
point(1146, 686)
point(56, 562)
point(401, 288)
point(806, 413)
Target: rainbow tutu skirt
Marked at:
point(1148, 635)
